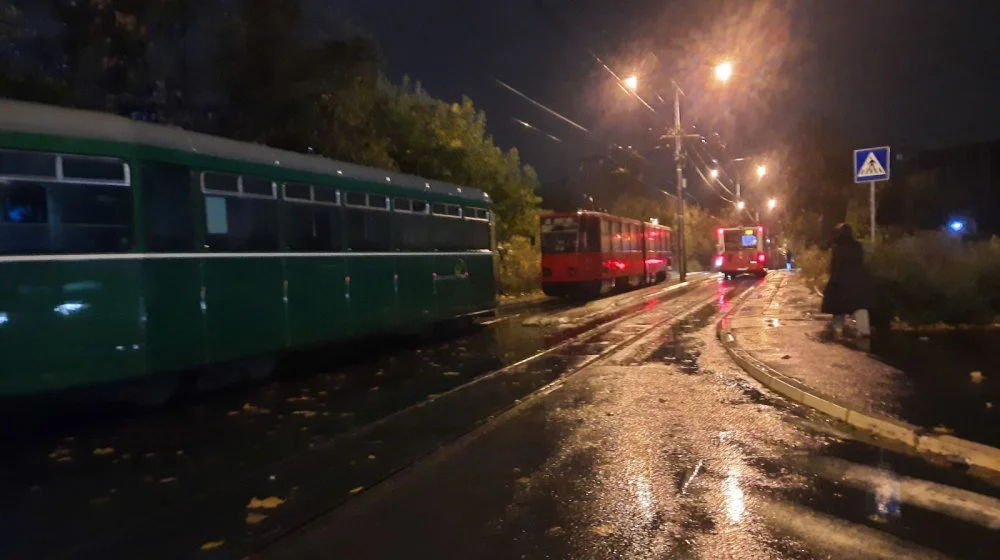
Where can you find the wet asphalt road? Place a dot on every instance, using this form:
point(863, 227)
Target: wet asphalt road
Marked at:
point(165, 484)
point(664, 449)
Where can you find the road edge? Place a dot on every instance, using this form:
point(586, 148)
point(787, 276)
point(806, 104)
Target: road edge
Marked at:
point(915, 437)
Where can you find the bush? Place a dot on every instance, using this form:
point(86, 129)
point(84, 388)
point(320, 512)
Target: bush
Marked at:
point(926, 278)
point(520, 265)
point(933, 277)
point(815, 265)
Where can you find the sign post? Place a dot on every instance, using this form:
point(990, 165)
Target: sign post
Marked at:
point(871, 165)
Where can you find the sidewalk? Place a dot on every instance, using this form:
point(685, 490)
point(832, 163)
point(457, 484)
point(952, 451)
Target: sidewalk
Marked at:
point(776, 331)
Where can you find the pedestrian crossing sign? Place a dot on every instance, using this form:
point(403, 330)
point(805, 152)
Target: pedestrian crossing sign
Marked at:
point(871, 164)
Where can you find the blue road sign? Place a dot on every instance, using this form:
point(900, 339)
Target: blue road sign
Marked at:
point(871, 164)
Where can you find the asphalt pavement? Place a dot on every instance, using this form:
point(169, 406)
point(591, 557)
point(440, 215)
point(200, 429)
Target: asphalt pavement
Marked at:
point(661, 449)
point(947, 381)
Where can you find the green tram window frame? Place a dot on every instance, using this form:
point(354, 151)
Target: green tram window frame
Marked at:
point(98, 220)
point(243, 219)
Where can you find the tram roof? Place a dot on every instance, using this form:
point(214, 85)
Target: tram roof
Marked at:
point(604, 215)
point(20, 116)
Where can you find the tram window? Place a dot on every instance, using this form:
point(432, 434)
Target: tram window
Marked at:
point(401, 204)
point(377, 201)
point(355, 198)
point(27, 164)
point(220, 182)
point(168, 208)
point(325, 194)
point(420, 206)
point(23, 203)
point(237, 224)
point(95, 218)
point(94, 205)
point(311, 227)
point(439, 209)
point(590, 235)
point(295, 191)
point(412, 232)
point(257, 187)
point(101, 169)
point(368, 231)
point(605, 236)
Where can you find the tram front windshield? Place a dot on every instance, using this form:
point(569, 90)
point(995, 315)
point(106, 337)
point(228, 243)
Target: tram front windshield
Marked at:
point(559, 235)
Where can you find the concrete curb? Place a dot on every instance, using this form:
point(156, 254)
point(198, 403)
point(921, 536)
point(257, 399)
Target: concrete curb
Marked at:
point(916, 437)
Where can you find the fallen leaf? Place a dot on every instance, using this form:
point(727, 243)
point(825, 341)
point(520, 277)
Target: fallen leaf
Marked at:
point(989, 405)
point(247, 407)
point(450, 374)
point(356, 491)
point(371, 457)
point(232, 413)
point(553, 531)
point(266, 503)
point(603, 530)
point(375, 388)
point(149, 455)
point(212, 545)
point(976, 376)
point(524, 480)
point(255, 518)
point(942, 429)
point(59, 452)
point(306, 413)
point(102, 451)
point(64, 459)
point(302, 398)
point(168, 479)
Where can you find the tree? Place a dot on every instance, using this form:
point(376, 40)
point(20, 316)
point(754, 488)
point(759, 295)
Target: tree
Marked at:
point(449, 142)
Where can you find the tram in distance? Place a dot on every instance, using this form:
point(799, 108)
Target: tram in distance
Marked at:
point(585, 254)
point(741, 250)
point(131, 251)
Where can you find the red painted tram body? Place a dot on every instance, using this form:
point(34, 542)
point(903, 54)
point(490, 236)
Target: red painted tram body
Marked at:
point(590, 253)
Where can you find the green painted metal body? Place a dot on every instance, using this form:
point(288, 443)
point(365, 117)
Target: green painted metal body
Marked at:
point(70, 321)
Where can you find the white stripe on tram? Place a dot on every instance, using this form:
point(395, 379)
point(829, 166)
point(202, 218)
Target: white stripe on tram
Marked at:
point(145, 256)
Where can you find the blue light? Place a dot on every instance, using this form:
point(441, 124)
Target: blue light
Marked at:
point(957, 226)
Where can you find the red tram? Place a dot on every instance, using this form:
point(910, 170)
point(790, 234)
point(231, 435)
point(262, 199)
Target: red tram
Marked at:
point(590, 253)
point(741, 250)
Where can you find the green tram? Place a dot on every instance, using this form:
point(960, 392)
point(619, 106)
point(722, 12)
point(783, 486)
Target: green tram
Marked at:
point(130, 251)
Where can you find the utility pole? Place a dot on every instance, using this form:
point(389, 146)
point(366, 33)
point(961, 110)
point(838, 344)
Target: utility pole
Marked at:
point(679, 221)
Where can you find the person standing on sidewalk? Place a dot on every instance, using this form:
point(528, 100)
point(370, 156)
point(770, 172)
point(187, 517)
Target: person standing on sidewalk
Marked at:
point(850, 286)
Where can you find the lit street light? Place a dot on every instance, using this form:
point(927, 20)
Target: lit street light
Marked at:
point(771, 203)
point(741, 205)
point(724, 71)
point(713, 173)
point(761, 171)
point(632, 82)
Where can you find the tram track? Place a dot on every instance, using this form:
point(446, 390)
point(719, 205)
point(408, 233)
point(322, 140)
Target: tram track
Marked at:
point(315, 474)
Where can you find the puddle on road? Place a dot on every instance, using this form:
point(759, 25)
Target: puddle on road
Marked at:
point(681, 347)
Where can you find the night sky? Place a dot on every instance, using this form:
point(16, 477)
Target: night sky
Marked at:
point(911, 73)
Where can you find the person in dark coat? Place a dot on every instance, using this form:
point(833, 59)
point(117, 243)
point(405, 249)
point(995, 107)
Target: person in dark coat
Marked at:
point(850, 287)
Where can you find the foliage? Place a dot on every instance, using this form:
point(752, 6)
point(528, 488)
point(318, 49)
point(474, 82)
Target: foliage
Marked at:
point(926, 278)
point(815, 266)
point(520, 269)
point(438, 140)
point(932, 277)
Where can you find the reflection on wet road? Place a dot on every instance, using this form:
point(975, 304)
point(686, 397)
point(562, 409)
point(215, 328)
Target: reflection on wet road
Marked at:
point(662, 450)
point(244, 466)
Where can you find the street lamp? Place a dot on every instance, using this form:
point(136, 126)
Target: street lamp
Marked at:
point(713, 173)
point(724, 71)
point(740, 205)
point(771, 203)
point(761, 171)
point(631, 82)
